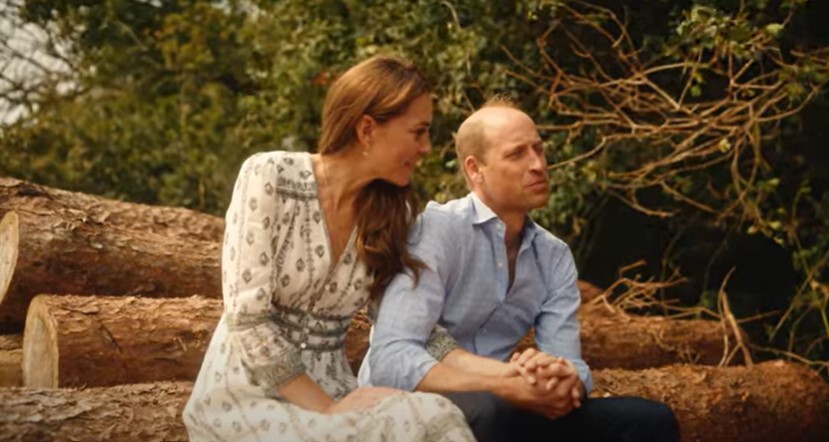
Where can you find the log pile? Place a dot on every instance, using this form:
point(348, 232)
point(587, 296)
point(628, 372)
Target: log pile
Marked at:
point(107, 293)
point(771, 401)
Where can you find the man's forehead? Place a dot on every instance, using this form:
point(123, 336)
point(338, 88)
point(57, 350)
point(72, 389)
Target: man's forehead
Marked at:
point(509, 126)
point(498, 115)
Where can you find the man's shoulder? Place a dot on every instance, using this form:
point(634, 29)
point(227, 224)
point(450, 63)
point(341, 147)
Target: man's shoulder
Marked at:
point(453, 214)
point(549, 242)
point(441, 222)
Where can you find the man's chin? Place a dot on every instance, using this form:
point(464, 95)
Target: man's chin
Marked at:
point(537, 200)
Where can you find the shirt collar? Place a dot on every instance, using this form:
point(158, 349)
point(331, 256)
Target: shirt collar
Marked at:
point(483, 214)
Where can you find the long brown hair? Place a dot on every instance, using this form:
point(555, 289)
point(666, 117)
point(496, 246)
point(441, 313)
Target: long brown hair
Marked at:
point(381, 87)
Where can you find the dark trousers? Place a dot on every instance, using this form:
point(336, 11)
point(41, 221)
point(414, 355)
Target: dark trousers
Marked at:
point(622, 419)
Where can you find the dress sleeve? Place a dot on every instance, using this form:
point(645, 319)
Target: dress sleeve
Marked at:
point(248, 276)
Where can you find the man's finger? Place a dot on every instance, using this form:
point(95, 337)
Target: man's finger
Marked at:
point(540, 360)
point(554, 370)
point(526, 355)
point(526, 374)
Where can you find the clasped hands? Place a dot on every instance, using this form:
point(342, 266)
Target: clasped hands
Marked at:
point(544, 384)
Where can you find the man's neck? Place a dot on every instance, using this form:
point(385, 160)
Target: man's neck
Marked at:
point(512, 219)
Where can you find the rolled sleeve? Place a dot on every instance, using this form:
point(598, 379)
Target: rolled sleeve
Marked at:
point(557, 326)
point(269, 360)
point(405, 342)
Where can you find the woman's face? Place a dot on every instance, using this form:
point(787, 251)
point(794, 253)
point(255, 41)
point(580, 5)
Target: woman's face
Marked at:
point(400, 142)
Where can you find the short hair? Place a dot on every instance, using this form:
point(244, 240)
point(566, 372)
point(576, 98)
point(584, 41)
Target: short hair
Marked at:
point(470, 140)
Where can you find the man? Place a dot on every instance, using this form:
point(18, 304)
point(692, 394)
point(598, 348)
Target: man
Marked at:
point(491, 274)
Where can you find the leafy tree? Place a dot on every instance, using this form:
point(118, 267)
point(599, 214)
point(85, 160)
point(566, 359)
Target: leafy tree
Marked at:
point(663, 147)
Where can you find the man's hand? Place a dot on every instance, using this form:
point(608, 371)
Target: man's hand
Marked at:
point(534, 398)
point(557, 378)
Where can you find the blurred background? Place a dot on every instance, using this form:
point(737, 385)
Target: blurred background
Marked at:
point(688, 140)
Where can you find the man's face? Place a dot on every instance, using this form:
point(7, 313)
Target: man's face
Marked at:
point(514, 169)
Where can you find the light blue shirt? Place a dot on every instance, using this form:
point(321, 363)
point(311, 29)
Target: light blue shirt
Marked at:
point(465, 289)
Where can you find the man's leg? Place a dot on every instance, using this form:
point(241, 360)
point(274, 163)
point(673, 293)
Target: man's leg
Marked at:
point(622, 419)
point(487, 415)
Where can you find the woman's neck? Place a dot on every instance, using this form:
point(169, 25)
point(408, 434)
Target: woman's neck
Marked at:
point(343, 175)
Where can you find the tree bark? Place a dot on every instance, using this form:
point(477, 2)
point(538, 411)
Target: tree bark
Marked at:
point(771, 401)
point(610, 338)
point(67, 252)
point(73, 341)
point(11, 355)
point(96, 341)
point(145, 412)
point(23, 197)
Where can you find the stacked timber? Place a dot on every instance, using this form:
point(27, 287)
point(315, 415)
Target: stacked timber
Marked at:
point(114, 335)
point(53, 241)
point(766, 402)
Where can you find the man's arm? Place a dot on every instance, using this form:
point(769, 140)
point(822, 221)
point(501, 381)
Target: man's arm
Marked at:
point(557, 326)
point(409, 311)
point(407, 344)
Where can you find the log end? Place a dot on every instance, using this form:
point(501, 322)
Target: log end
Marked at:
point(40, 348)
point(9, 243)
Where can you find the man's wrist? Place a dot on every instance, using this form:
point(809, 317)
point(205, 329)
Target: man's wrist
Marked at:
point(499, 386)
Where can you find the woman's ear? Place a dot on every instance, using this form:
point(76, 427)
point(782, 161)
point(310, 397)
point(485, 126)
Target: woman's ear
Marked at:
point(366, 126)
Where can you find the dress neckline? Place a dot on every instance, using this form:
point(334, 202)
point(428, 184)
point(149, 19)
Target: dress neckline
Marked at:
point(328, 245)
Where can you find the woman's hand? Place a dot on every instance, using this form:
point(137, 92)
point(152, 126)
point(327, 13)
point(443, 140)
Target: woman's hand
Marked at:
point(361, 399)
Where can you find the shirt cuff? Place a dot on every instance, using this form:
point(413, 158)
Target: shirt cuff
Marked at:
point(440, 343)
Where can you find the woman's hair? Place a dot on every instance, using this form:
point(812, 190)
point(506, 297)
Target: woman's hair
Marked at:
point(381, 87)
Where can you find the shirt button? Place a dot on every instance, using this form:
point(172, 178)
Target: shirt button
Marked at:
point(500, 264)
point(303, 345)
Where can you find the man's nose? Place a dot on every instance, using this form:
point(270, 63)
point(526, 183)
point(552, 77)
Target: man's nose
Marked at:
point(539, 162)
point(425, 147)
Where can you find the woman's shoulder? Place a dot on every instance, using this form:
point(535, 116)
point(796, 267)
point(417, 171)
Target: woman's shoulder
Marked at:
point(290, 173)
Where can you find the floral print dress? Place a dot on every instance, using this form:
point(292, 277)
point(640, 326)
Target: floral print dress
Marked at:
point(286, 311)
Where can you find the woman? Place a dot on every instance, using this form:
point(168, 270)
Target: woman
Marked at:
point(308, 239)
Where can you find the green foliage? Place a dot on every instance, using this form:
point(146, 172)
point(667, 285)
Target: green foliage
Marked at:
point(168, 97)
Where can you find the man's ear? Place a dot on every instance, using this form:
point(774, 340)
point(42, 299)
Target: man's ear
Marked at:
point(473, 170)
point(365, 128)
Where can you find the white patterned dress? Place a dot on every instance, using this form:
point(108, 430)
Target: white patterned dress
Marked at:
point(286, 311)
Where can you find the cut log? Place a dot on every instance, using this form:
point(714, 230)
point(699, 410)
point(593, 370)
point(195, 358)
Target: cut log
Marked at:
point(23, 198)
point(73, 341)
point(11, 355)
point(610, 338)
point(66, 252)
point(145, 412)
point(771, 401)
point(97, 341)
